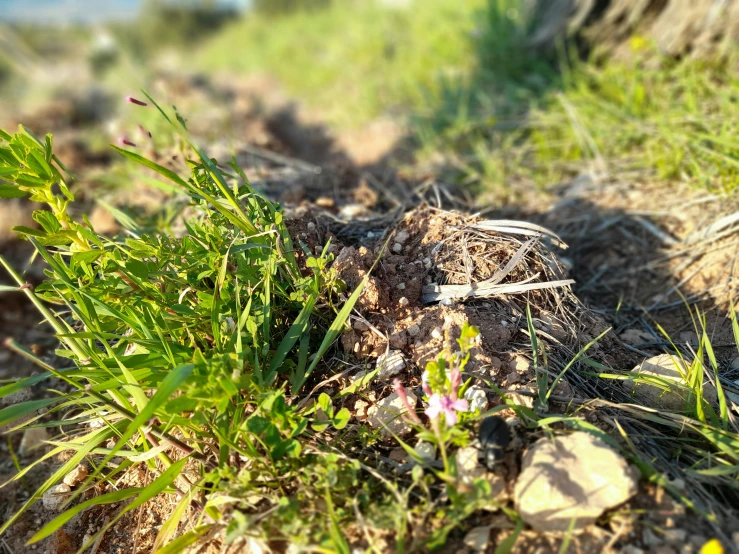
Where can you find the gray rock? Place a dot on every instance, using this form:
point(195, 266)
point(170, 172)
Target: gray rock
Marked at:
point(425, 451)
point(55, 497)
point(477, 398)
point(478, 538)
point(33, 438)
point(414, 330)
point(468, 465)
point(401, 237)
point(390, 364)
point(576, 476)
point(666, 394)
point(387, 414)
point(23, 395)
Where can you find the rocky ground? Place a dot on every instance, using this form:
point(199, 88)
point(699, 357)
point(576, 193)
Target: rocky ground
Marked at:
point(639, 253)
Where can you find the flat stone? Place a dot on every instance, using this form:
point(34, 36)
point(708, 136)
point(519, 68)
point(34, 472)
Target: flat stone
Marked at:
point(519, 364)
point(33, 438)
point(414, 330)
point(55, 497)
point(572, 477)
point(478, 538)
point(387, 414)
point(666, 396)
point(390, 364)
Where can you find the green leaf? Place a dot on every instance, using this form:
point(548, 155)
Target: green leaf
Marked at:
point(334, 331)
point(29, 231)
point(341, 419)
point(189, 538)
point(288, 447)
point(257, 424)
point(10, 191)
point(16, 411)
point(297, 329)
point(87, 444)
point(170, 526)
point(324, 401)
point(60, 520)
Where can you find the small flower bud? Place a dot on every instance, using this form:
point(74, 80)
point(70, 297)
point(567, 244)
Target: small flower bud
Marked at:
point(132, 100)
point(125, 142)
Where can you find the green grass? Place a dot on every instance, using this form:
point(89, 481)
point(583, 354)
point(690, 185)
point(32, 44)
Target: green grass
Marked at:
point(648, 119)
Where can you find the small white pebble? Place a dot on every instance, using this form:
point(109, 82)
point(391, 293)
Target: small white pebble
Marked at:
point(401, 237)
point(401, 286)
point(390, 364)
point(403, 301)
point(504, 323)
point(370, 235)
point(477, 398)
point(437, 333)
point(425, 451)
point(446, 302)
point(397, 248)
point(427, 263)
point(311, 226)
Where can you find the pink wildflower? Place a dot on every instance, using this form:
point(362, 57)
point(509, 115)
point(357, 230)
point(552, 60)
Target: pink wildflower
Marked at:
point(425, 383)
point(456, 380)
point(132, 100)
point(439, 405)
point(400, 390)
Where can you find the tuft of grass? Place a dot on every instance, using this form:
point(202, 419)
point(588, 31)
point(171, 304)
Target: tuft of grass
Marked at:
point(648, 118)
point(181, 349)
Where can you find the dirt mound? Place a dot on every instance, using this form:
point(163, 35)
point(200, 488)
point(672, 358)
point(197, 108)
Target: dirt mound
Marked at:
point(406, 305)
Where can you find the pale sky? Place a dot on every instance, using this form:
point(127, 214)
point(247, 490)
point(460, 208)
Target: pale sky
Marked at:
point(65, 11)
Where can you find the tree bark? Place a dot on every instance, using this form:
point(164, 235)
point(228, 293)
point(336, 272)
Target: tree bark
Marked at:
point(679, 28)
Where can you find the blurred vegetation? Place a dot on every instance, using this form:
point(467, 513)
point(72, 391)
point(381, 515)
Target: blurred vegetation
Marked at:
point(501, 112)
point(461, 75)
point(282, 7)
point(164, 24)
point(373, 58)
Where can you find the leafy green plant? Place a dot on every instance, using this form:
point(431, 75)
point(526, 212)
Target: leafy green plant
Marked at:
point(183, 350)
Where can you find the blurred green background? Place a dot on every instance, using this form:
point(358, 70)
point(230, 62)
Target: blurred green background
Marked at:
point(498, 96)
